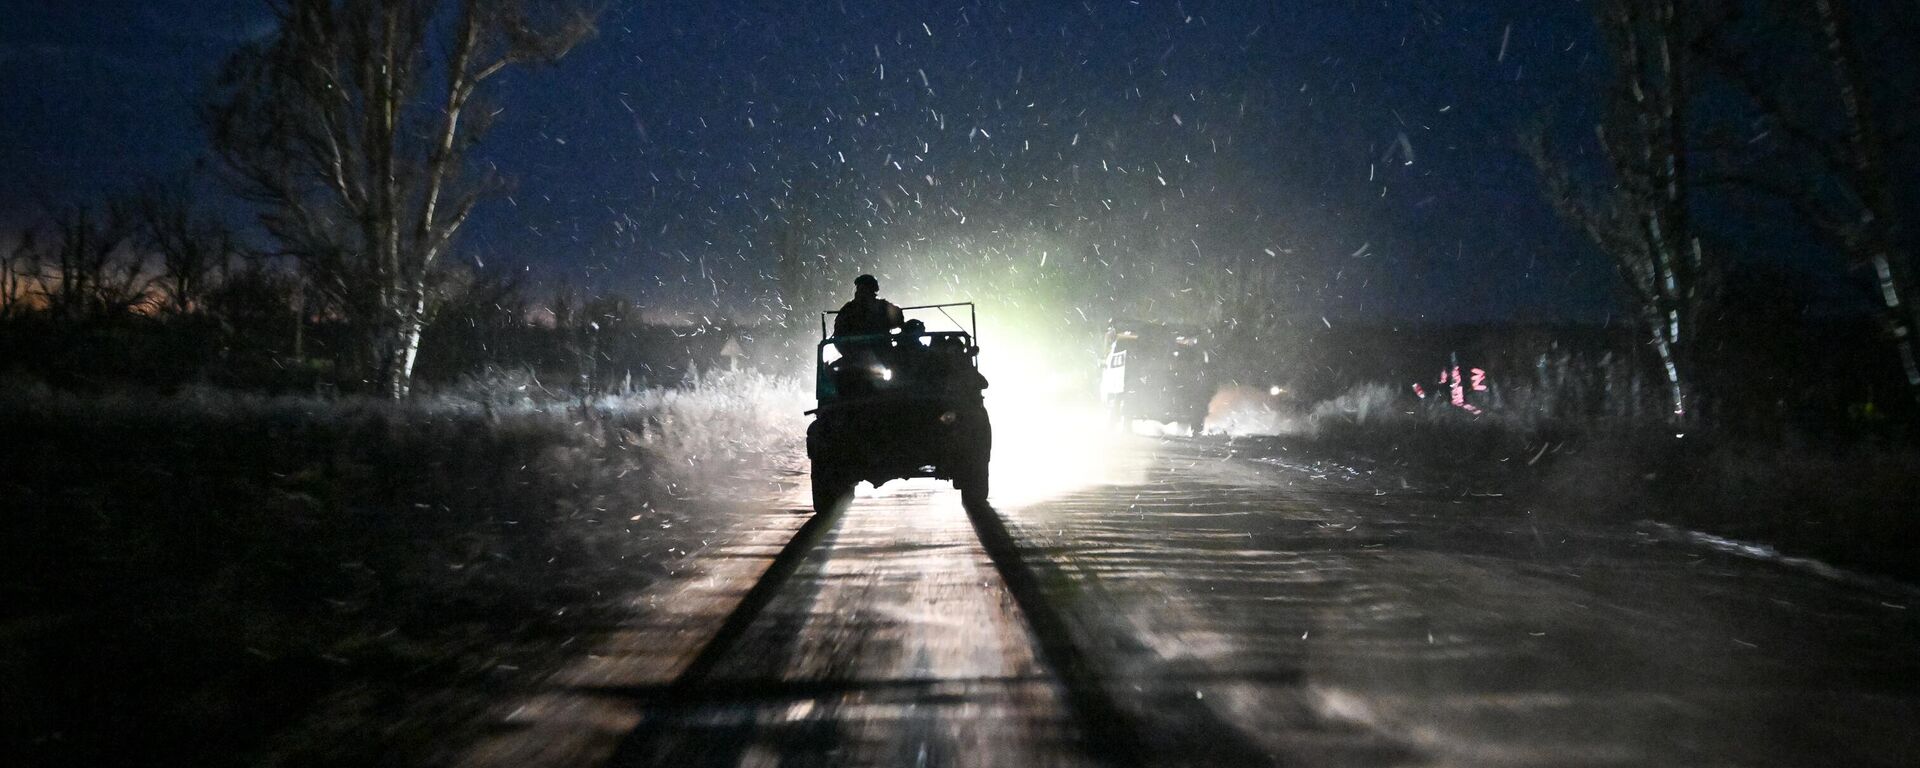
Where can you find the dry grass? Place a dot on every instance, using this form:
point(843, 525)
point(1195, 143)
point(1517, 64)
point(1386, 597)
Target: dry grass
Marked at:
point(232, 579)
point(1855, 504)
point(724, 430)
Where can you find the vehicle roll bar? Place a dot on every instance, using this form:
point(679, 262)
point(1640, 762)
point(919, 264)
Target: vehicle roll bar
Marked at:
point(973, 318)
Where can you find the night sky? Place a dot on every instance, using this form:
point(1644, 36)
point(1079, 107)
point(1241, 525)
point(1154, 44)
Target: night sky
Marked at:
point(1370, 143)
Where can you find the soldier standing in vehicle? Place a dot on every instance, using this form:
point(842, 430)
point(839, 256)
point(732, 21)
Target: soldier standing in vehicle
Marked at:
point(867, 313)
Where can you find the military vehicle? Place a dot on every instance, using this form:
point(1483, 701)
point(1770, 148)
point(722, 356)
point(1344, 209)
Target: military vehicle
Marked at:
point(898, 405)
point(1157, 372)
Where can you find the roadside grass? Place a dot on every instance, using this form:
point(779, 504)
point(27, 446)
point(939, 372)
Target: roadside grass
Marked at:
point(723, 431)
point(229, 579)
point(1853, 504)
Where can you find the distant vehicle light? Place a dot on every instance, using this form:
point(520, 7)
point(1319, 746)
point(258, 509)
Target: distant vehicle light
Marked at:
point(886, 374)
point(1275, 390)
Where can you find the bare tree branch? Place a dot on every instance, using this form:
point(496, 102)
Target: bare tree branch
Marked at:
point(353, 138)
point(1833, 167)
point(1640, 219)
point(194, 249)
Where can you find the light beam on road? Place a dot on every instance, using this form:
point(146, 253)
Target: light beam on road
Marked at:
point(1049, 436)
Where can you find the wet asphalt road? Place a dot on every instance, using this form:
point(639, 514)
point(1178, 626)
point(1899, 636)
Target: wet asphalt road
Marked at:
point(1187, 606)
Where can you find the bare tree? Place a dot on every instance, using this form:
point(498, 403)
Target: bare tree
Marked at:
point(486, 299)
point(1639, 217)
point(90, 268)
point(256, 307)
point(194, 249)
point(1826, 148)
point(352, 127)
point(1873, 239)
point(19, 265)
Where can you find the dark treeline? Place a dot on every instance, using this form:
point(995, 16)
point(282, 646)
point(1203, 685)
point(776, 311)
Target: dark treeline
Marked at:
point(98, 308)
point(1825, 377)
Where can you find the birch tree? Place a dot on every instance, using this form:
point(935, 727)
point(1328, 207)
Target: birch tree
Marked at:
point(1872, 239)
point(1827, 147)
point(1638, 216)
point(352, 128)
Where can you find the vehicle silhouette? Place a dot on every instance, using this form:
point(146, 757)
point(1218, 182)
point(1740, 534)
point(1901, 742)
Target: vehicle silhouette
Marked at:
point(1157, 372)
point(899, 405)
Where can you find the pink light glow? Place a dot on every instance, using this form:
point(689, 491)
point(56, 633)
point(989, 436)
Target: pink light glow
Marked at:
point(1451, 378)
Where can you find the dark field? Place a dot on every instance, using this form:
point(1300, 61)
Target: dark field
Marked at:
point(232, 580)
point(1854, 504)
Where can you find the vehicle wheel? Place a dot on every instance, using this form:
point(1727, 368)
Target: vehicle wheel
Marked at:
point(973, 487)
point(830, 489)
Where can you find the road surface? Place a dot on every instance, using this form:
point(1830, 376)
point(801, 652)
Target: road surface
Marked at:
point(1184, 605)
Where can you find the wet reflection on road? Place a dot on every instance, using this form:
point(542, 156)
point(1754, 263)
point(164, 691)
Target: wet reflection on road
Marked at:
point(1336, 626)
point(1203, 609)
point(894, 643)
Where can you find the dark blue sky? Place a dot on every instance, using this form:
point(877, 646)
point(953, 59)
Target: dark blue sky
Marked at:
point(663, 155)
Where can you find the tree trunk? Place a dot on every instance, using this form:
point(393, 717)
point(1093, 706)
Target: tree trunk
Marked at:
point(402, 349)
point(1667, 349)
point(1872, 239)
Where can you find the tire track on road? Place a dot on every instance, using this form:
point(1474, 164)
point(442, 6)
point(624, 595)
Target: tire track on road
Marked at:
point(685, 690)
point(1107, 732)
